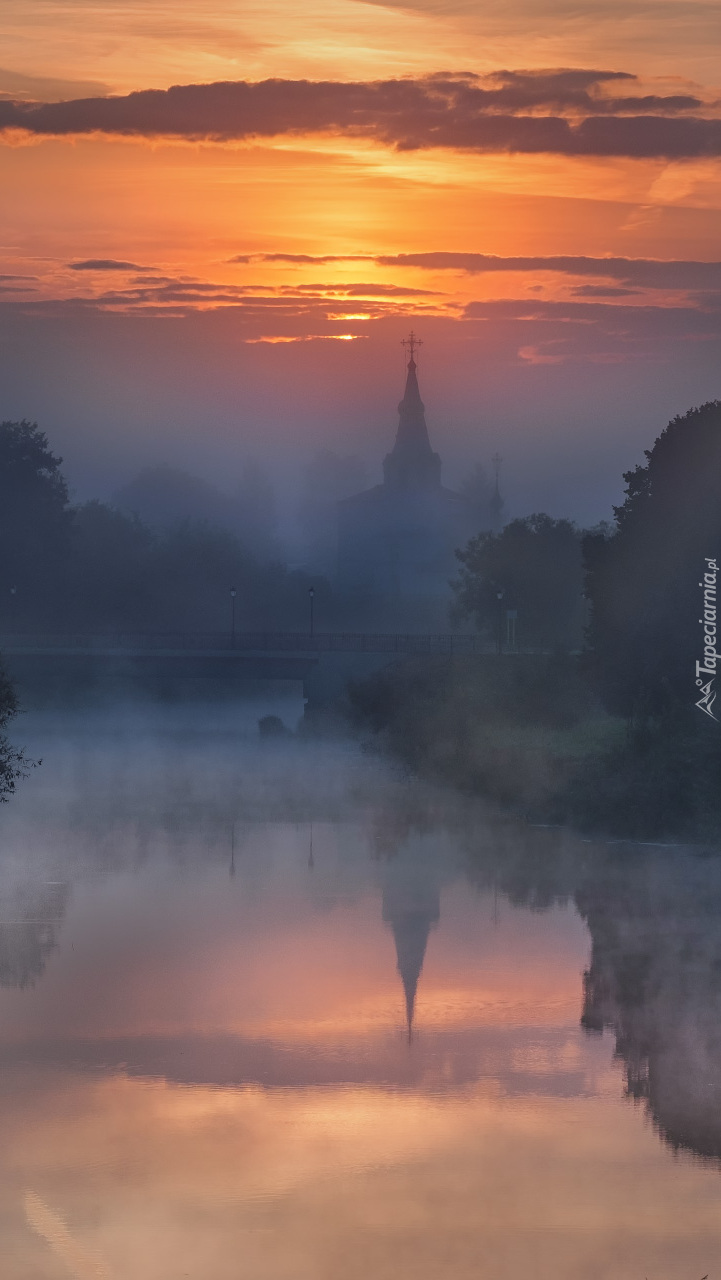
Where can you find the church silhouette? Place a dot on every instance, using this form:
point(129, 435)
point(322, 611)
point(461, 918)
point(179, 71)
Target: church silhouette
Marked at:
point(412, 908)
point(397, 541)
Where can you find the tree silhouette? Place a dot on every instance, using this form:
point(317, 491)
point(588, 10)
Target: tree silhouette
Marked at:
point(643, 581)
point(13, 764)
point(536, 563)
point(35, 523)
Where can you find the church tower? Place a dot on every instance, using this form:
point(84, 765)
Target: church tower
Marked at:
point(412, 464)
point(397, 541)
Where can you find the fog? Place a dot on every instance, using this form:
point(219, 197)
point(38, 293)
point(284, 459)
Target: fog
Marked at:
point(118, 393)
point(275, 987)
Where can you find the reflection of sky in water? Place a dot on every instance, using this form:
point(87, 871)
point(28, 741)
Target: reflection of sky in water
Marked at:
point(205, 1062)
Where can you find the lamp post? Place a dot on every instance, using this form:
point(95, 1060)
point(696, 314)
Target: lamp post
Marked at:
point(511, 631)
point(499, 639)
point(233, 594)
point(311, 596)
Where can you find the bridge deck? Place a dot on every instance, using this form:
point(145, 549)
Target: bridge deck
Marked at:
point(217, 645)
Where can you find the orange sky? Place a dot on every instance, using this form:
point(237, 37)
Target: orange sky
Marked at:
point(96, 223)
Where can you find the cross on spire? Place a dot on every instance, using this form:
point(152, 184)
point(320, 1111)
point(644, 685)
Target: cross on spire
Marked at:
point(411, 344)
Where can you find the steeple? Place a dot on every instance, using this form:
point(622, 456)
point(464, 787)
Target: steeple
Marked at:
point(412, 464)
point(411, 907)
point(496, 504)
point(410, 933)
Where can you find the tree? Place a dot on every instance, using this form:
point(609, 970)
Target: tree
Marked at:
point(643, 581)
point(327, 478)
point(165, 497)
point(98, 567)
point(478, 493)
point(13, 764)
point(110, 571)
point(35, 523)
point(536, 562)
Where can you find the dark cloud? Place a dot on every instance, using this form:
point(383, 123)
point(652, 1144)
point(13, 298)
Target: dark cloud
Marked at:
point(618, 321)
point(569, 332)
point(577, 90)
point(106, 264)
point(650, 272)
point(567, 112)
point(560, 80)
point(304, 259)
point(601, 291)
point(363, 290)
point(164, 295)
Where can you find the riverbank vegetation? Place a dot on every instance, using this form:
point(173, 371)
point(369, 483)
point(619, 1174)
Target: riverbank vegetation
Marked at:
point(528, 733)
point(620, 736)
point(13, 763)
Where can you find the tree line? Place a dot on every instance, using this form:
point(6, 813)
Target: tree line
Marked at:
point(98, 567)
point(628, 594)
point(631, 604)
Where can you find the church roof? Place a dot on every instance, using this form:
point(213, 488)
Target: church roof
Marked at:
point(412, 462)
point(381, 495)
point(411, 468)
point(412, 430)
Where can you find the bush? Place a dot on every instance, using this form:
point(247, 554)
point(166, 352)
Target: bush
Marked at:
point(664, 779)
point(13, 764)
point(513, 729)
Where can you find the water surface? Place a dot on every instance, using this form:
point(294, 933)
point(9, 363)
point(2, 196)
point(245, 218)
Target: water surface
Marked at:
point(276, 1012)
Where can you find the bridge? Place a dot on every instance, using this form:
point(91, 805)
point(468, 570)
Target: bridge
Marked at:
point(170, 644)
point(323, 662)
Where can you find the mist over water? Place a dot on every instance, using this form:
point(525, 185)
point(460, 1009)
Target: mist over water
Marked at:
point(261, 1000)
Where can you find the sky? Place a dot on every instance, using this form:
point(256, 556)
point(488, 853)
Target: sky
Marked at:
point(218, 220)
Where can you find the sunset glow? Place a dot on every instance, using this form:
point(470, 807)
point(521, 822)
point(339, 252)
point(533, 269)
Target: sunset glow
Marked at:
point(360, 542)
point(285, 166)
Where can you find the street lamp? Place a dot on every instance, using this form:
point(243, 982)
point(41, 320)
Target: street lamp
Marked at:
point(233, 594)
point(311, 596)
point(499, 639)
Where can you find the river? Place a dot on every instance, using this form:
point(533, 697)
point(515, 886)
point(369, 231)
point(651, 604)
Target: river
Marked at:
point(273, 1011)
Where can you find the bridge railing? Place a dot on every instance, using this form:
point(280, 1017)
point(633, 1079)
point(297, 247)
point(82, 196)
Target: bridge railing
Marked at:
point(250, 642)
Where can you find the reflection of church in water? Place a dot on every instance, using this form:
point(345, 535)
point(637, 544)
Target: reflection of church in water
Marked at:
point(397, 541)
point(412, 907)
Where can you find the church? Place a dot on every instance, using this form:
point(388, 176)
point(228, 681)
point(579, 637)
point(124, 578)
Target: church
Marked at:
point(397, 541)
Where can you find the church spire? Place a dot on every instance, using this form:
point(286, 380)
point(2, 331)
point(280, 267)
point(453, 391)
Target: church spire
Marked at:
point(496, 504)
point(412, 464)
point(410, 934)
point(411, 906)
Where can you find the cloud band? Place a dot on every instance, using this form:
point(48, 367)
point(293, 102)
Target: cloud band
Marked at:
point(569, 113)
